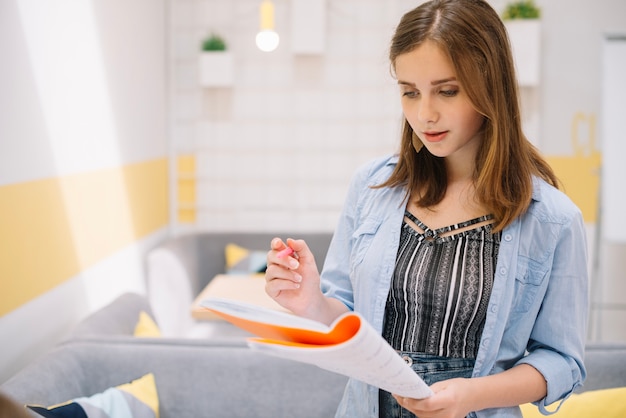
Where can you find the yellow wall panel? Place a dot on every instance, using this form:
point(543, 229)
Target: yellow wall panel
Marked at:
point(580, 177)
point(187, 192)
point(52, 229)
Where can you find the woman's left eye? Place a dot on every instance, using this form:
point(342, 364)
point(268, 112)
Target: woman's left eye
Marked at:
point(449, 93)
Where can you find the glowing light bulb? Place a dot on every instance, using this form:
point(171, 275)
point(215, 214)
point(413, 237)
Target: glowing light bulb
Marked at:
point(267, 39)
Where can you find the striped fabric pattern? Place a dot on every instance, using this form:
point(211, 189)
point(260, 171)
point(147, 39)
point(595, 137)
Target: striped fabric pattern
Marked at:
point(441, 286)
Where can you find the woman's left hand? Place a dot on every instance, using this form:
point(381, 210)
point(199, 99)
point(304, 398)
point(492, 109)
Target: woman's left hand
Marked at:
point(451, 399)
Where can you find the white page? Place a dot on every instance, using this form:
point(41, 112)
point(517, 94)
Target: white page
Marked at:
point(366, 357)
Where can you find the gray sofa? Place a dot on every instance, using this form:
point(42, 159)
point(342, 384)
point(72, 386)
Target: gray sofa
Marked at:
point(209, 377)
point(201, 378)
point(194, 377)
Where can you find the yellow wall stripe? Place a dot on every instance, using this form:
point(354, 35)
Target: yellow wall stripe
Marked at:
point(186, 184)
point(52, 229)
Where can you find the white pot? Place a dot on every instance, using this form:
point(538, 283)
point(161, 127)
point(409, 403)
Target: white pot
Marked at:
point(525, 36)
point(215, 69)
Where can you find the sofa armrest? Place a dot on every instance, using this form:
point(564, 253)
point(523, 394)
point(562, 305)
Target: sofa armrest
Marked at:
point(193, 379)
point(117, 318)
point(606, 366)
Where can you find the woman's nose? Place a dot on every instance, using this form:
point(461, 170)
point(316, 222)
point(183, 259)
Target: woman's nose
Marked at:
point(426, 111)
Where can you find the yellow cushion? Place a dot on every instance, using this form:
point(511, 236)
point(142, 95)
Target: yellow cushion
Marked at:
point(144, 390)
point(141, 401)
point(240, 260)
point(146, 327)
point(605, 403)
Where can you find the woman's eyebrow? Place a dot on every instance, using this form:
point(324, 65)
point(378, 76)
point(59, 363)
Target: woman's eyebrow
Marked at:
point(442, 81)
point(432, 83)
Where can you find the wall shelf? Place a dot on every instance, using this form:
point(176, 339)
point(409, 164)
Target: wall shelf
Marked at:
point(215, 69)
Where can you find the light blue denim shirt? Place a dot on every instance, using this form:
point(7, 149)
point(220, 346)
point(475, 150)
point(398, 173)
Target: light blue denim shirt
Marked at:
point(538, 307)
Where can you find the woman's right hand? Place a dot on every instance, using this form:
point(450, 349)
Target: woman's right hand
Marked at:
point(293, 280)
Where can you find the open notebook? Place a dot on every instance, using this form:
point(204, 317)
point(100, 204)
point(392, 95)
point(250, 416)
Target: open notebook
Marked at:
point(349, 346)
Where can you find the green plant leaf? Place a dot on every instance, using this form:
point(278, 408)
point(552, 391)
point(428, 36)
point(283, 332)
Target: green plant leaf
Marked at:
point(523, 9)
point(214, 43)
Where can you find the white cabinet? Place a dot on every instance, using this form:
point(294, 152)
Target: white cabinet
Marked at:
point(525, 36)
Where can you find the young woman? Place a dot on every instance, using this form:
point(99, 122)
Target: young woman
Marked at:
point(460, 249)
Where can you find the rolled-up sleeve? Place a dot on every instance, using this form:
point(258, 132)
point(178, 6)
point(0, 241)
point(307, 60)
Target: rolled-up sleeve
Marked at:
point(556, 346)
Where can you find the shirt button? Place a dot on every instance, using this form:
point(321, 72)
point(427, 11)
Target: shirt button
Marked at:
point(494, 308)
point(503, 271)
point(508, 237)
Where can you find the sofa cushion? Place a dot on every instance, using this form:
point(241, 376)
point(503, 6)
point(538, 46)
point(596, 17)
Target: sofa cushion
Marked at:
point(605, 403)
point(242, 260)
point(146, 327)
point(137, 399)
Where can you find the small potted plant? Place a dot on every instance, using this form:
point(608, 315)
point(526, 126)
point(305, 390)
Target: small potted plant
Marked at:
point(213, 42)
point(215, 62)
point(523, 9)
point(522, 21)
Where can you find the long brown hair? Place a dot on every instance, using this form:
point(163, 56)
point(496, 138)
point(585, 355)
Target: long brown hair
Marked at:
point(475, 39)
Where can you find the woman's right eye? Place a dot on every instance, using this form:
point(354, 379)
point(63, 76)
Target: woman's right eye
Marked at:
point(410, 94)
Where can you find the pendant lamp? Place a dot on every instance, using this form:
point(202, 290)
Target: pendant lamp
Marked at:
point(267, 39)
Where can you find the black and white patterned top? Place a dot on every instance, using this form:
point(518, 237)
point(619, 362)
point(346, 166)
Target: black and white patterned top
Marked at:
point(440, 289)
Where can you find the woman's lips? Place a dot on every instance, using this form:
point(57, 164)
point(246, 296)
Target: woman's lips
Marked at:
point(435, 136)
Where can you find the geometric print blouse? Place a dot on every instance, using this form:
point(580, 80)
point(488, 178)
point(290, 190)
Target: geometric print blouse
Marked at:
point(440, 288)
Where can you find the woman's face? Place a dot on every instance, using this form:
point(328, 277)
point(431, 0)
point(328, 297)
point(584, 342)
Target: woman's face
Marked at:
point(435, 104)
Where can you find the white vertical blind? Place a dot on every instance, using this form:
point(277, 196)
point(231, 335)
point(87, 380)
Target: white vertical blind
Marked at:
point(613, 189)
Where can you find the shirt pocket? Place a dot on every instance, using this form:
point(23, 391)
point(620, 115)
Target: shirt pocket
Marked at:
point(362, 239)
point(528, 283)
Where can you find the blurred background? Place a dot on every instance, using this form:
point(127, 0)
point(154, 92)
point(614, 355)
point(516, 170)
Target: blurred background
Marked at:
point(117, 130)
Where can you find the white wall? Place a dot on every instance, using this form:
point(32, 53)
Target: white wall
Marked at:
point(276, 150)
point(83, 89)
